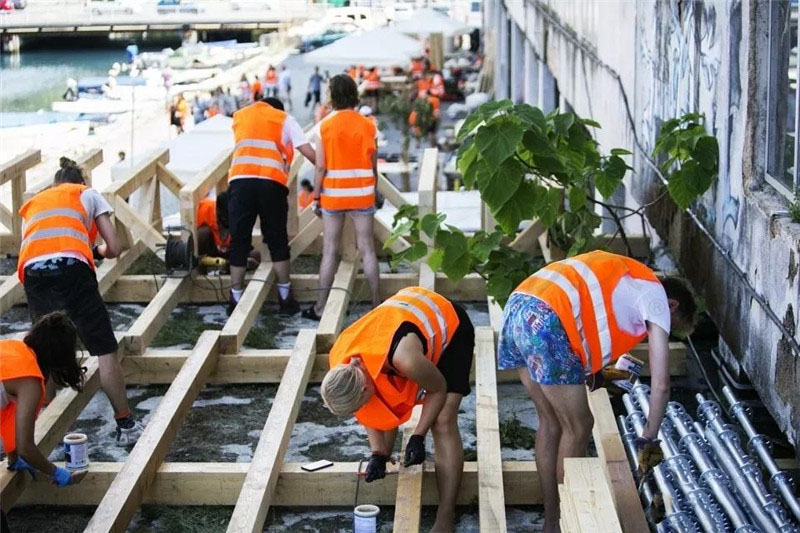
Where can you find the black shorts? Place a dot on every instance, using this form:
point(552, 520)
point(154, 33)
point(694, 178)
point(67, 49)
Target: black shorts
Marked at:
point(455, 363)
point(249, 198)
point(72, 287)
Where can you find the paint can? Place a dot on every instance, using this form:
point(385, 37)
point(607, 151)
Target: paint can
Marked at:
point(365, 518)
point(628, 363)
point(76, 452)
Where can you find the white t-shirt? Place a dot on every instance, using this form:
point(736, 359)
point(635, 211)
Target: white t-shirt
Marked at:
point(95, 205)
point(285, 80)
point(293, 133)
point(638, 301)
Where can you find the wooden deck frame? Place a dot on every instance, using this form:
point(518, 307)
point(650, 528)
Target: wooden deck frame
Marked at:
point(120, 488)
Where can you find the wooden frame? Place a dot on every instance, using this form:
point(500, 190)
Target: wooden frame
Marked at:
point(118, 489)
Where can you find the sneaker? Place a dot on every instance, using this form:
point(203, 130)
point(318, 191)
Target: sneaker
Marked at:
point(289, 306)
point(128, 431)
point(231, 303)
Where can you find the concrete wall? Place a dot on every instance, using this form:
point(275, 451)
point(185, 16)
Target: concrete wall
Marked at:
point(664, 59)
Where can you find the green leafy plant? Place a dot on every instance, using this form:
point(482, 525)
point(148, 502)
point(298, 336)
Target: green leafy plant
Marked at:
point(396, 109)
point(794, 209)
point(691, 157)
point(548, 168)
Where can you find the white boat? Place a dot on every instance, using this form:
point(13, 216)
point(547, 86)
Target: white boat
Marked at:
point(91, 106)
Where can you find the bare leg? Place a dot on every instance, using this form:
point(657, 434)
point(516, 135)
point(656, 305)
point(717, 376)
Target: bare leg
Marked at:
point(365, 241)
point(237, 277)
point(282, 271)
point(331, 235)
point(571, 406)
point(546, 453)
point(389, 437)
point(112, 380)
point(449, 458)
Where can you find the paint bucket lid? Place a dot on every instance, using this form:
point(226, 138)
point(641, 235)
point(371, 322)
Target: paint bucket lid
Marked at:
point(367, 510)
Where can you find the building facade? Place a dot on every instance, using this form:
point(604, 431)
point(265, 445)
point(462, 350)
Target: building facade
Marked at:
point(630, 65)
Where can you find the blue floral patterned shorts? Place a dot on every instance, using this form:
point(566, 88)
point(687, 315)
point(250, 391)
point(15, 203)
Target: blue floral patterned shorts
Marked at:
point(533, 337)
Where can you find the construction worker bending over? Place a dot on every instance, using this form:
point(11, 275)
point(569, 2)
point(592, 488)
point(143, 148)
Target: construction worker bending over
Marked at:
point(46, 352)
point(568, 321)
point(415, 348)
point(56, 267)
point(346, 171)
point(266, 138)
point(213, 230)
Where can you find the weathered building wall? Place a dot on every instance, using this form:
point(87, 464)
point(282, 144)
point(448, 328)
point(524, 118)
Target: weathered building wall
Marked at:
point(665, 59)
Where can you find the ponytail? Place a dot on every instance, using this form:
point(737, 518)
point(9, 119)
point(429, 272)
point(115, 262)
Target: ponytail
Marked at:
point(69, 172)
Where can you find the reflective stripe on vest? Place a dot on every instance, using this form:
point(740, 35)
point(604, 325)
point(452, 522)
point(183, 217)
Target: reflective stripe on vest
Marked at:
point(55, 221)
point(579, 290)
point(348, 140)
point(258, 150)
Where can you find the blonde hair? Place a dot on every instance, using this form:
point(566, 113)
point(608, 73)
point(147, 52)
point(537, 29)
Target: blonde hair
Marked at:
point(343, 388)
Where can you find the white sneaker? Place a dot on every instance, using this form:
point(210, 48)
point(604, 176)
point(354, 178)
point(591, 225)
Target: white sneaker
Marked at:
point(127, 436)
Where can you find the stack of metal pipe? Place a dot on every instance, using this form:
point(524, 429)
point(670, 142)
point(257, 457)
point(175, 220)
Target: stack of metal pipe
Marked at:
point(707, 481)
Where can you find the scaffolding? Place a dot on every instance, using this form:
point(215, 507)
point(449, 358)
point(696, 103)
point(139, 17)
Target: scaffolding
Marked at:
point(598, 494)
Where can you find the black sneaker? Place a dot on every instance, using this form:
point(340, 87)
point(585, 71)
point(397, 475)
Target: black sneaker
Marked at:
point(289, 306)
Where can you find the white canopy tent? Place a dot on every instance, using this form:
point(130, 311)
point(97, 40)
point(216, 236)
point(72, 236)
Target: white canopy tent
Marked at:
point(382, 47)
point(427, 21)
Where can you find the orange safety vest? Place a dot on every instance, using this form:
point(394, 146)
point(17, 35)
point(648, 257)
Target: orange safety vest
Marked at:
point(207, 216)
point(271, 77)
point(55, 221)
point(349, 143)
point(370, 338)
point(373, 80)
point(17, 360)
point(417, 67)
point(423, 86)
point(579, 290)
point(257, 89)
point(305, 198)
point(259, 151)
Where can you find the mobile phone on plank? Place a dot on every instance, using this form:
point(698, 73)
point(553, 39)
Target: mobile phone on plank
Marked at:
point(317, 465)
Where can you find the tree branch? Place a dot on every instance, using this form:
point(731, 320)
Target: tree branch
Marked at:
point(617, 219)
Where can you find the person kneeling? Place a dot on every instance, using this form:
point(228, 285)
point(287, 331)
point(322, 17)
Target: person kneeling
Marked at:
point(213, 230)
point(414, 348)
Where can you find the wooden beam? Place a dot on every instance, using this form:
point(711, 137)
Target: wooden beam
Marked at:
point(330, 324)
point(244, 314)
point(182, 484)
point(88, 161)
point(262, 477)
point(408, 506)
point(614, 462)
point(11, 293)
point(527, 240)
point(197, 188)
point(51, 425)
point(127, 491)
point(383, 232)
point(139, 174)
point(147, 324)
point(19, 164)
point(426, 201)
point(169, 179)
point(491, 500)
point(390, 192)
point(140, 228)
point(305, 237)
point(585, 481)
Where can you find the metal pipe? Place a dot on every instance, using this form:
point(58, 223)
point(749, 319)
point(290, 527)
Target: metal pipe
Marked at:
point(698, 499)
point(780, 482)
point(723, 438)
point(676, 517)
point(711, 476)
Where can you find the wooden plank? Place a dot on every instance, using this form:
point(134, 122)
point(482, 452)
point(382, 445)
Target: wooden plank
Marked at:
point(139, 174)
point(147, 324)
point(17, 190)
point(19, 164)
point(568, 520)
point(614, 461)
point(585, 480)
point(7, 219)
point(330, 324)
point(383, 232)
point(305, 237)
point(426, 201)
point(495, 316)
point(127, 490)
point(220, 483)
point(169, 179)
point(11, 293)
point(527, 240)
point(408, 506)
point(88, 161)
point(491, 499)
point(140, 228)
point(390, 192)
point(244, 314)
point(262, 477)
point(51, 425)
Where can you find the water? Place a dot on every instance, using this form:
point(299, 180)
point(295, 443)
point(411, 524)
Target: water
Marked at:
point(33, 79)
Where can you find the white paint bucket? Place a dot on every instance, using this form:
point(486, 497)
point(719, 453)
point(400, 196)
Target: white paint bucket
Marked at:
point(365, 519)
point(75, 451)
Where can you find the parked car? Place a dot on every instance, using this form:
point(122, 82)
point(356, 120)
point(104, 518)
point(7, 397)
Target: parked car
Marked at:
point(114, 7)
point(165, 7)
point(325, 38)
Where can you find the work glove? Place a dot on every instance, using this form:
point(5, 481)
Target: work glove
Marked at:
point(415, 450)
point(648, 454)
point(21, 465)
point(376, 468)
point(605, 378)
point(61, 477)
point(96, 253)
